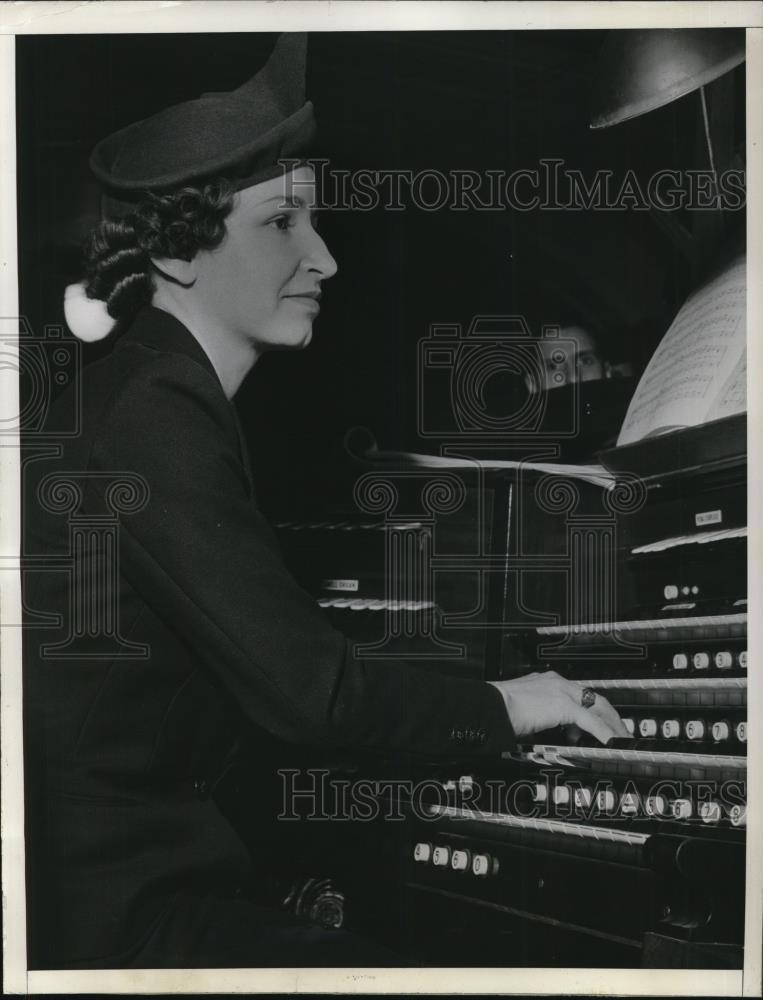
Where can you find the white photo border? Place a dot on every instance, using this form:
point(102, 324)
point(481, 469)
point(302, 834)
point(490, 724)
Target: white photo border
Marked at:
point(319, 15)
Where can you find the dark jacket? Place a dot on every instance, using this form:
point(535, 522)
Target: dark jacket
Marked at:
point(125, 735)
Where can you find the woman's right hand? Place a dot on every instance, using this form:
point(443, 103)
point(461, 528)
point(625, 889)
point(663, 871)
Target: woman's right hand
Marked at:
point(545, 700)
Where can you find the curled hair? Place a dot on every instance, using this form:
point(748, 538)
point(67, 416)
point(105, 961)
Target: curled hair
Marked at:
point(176, 224)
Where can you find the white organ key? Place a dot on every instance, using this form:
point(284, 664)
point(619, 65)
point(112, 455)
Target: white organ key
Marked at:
point(669, 683)
point(709, 812)
point(459, 861)
point(583, 798)
point(738, 815)
point(655, 805)
point(540, 793)
point(605, 801)
point(543, 752)
point(441, 856)
point(682, 809)
point(422, 852)
point(648, 728)
point(721, 731)
point(629, 804)
point(646, 625)
point(695, 729)
point(561, 795)
point(584, 831)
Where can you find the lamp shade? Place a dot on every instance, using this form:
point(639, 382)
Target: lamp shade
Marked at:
point(640, 70)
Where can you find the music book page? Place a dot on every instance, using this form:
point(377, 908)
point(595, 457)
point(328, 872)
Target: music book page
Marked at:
point(698, 372)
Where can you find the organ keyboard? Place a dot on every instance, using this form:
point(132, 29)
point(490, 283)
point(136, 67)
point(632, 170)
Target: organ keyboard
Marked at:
point(640, 591)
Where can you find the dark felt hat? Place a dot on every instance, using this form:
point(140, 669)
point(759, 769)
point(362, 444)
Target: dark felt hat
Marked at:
point(244, 132)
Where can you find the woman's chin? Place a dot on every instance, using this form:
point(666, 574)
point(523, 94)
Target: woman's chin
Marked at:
point(292, 340)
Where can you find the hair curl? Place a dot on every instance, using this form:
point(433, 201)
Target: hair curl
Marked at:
point(174, 224)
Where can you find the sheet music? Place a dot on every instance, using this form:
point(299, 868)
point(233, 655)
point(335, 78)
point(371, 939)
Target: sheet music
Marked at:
point(698, 371)
point(733, 395)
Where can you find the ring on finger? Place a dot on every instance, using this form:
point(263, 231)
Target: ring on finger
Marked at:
point(587, 698)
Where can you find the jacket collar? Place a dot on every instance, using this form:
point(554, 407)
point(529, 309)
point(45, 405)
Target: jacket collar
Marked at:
point(160, 330)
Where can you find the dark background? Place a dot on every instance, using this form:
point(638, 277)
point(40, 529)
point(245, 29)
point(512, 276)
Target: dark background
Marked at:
point(416, 100)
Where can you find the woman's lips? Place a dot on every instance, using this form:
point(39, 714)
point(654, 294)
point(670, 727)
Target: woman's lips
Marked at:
point(307, 300)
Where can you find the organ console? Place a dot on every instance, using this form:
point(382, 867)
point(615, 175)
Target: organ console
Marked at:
point(566, 851)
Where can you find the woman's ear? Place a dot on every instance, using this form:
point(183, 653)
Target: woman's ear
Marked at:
point(174, 269)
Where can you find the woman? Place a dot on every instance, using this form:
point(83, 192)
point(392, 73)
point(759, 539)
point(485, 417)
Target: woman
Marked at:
point(205, 264)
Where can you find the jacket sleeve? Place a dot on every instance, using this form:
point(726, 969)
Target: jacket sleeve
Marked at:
point(204, 559)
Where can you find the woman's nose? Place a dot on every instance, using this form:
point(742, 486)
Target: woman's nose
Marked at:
point(317, 257)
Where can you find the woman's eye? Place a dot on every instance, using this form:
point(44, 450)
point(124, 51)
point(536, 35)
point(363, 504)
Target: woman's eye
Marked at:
point(282, 222)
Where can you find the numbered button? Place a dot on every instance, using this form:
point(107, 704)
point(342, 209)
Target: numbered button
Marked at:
point(741, 732)
point(738, 815)
point(459, 861)
point(682, 809)
point(648, 727)
point(605, 801)
point(422, 852)
point(721, 731)
point(724, 660)
point(583, 798)
point(695, 729)
point(629, 804)
point(483, 865)
point(701, 661)
point(441, 857)
point(561, 795)
point(680, 661)
point(671, 729)
point(709, 812)
point(656, 805)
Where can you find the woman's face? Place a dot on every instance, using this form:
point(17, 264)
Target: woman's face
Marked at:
point(262, 284)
